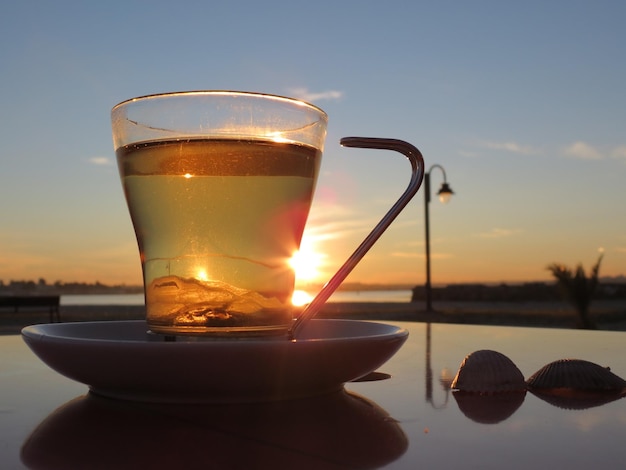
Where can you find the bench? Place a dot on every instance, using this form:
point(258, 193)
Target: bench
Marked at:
point(52, 302)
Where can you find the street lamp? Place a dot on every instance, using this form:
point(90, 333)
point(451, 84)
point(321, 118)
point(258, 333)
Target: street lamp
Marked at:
point(444, 193)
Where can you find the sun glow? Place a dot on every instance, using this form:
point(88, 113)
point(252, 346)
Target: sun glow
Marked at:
point(202, 275)
point(306, 262)
point(300, 298)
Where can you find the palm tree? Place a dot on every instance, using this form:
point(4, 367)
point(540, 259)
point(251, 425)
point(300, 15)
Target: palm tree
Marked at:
point(577, 288)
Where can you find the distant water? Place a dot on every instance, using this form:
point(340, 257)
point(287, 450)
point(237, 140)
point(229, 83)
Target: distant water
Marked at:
point(343, 296)
point(114, 299)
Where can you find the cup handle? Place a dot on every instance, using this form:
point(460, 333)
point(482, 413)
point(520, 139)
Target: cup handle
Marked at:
point(417, 176)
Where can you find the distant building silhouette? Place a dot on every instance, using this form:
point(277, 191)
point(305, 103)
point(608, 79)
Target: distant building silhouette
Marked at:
point(527, 292)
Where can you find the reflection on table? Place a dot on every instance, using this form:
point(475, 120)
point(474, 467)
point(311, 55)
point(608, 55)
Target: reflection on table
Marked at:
point(401, 417)
point(334, 431)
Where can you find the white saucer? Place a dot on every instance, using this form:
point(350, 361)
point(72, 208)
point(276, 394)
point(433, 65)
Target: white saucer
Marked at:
point(118, 359)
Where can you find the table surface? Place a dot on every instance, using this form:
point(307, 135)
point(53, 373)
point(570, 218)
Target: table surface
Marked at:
point(404, 419)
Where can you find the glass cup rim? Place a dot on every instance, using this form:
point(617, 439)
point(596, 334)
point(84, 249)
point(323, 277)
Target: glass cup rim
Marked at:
point(251, 94)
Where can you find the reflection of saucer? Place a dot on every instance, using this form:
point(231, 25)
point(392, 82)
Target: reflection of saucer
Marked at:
point(338, 430)
point(489, 408)
point(117, 359)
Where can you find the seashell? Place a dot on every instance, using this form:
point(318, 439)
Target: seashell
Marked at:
point(576, 374)
point(487, 371)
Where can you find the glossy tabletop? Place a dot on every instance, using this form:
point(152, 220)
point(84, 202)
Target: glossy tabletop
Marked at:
point(402, 417)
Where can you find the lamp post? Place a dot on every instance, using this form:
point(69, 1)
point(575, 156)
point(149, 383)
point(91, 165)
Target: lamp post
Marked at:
point(444, 193)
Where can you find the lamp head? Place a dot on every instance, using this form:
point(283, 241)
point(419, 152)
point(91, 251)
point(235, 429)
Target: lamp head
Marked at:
point(445, 193)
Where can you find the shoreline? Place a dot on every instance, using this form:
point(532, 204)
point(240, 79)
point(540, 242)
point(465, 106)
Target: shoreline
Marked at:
point(609, 315)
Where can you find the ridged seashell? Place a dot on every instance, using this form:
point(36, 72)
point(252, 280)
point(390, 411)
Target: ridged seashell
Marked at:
point(576, 374)
point(487, 371)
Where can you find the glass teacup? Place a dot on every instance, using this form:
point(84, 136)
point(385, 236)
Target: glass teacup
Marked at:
point(219, 186)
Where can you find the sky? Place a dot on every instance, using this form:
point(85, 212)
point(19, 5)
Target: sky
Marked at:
point(522, 103)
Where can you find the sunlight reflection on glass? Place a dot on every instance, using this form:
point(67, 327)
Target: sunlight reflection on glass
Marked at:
point(277, 137)
point(300, 298)
point(202, 275)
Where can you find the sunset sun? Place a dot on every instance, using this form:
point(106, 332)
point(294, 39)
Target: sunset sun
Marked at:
point(306, 264)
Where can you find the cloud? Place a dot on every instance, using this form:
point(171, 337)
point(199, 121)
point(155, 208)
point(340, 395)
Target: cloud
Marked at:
point(619, 152)
point(306, 95)
point(467, 153)
point(498, 233)
point(404, 254)
point(100, 161)
point(412, 255)
point(579, 149)
point(339, 222)
point(583, 151)
point(512, 147)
